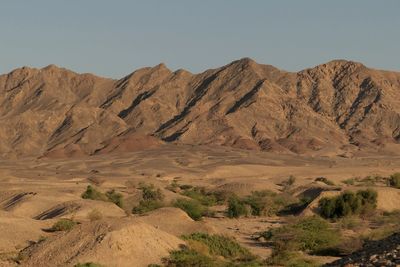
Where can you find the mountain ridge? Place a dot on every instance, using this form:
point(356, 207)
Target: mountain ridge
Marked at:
point(339, 107)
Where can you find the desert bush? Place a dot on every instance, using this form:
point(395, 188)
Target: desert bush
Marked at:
point(236, 208)
point(192, 207)
point(188, 257)
point(111, 195)
point(259, 203)
point(152, 199)
point(204, 250)
point(220, 245)
point(115, 197)
point(94, 194)
point(394, 180)
point(63, 225)
point(268, 203)
point(149, 192)
point(95, 215)
point(290, 259)
point(348, 203)
point(311, 234)
point(147, 205)
point(350, 181)
point(200, 194)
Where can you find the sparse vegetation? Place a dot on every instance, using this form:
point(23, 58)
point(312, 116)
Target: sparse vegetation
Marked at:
point(209, 251)
point(220, 245)
point(150, 192)
point(115, 197)
point(237, 208)
point(192, 207)
point(386, 223)
point(259, 203)
point(290, 259)
point(152, 199)
point(63, 225)
point(288, 183)
point(348, 203)
point(188, 257)
point(394, 180)
point(200, 194)
point(111, 195)
point(311, 234)
point(350, 181)
point(94, 194)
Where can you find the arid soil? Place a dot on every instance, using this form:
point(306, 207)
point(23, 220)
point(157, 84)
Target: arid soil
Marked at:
point(35, 193)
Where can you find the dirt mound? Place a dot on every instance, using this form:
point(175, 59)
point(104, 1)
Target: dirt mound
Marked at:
point(18, 232)
point(174, 221)
point(337, 108)
point(80, 209)
point(111, 243)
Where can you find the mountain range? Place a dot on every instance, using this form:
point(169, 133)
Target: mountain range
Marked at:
point(338, 108)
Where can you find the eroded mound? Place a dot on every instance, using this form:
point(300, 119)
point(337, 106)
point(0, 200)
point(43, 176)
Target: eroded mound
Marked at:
point(110, 242)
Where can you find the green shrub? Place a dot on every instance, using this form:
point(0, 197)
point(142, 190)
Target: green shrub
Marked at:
point(149, 192)
point(111, 195)
point(259, 203)
point(220, 245)
point(115, 198)
point(348, 203)
point(236, 208)
point(147, 205)
point(63, 225)
point(204, 250)
point(394, 180)
point(94, 194)
point(152, 199)
point(200, 194)
point(311, 234)
point(188, 257)
point(350, 181)
point(268, 203)
point(192, 207)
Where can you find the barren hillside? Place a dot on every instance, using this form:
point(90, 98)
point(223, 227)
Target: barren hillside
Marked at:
point(331, 109)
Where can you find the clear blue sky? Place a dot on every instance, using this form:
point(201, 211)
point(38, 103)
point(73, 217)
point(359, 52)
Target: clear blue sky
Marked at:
point(113, 38)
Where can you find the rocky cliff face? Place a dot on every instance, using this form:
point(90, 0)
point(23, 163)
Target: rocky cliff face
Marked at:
point(337, 107)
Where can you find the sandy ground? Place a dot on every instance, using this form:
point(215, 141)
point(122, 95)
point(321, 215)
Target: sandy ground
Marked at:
point(34, 193)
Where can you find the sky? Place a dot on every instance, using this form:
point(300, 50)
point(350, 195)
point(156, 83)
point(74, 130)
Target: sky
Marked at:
point(113, 38)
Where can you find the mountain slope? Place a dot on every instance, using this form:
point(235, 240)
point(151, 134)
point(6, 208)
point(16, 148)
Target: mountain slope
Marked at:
point(337, 107)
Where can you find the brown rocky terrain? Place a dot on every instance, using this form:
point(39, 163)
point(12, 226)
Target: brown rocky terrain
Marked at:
point(340, 107)
point(237, 131)
point(384, 252)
